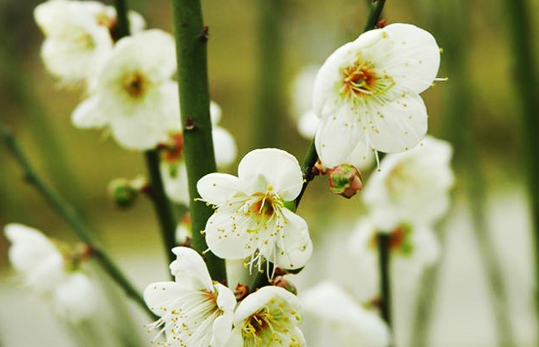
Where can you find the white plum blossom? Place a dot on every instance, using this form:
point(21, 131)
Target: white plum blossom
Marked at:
point(411, 187)
point(367, 93)
point(251, 219)
point(194, 311)
point(337, 319)
point(268, 317)
point(308, 124)
point(135, 95)
point(78, 37)
point(302, 90)
point(173, 169)
point(412, 249)
point(46, 270)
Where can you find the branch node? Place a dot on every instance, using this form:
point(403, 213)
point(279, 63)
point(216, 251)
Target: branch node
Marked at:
point(190, 123)
point(205, 34)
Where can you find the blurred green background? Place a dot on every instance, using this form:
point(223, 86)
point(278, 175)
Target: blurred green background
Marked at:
point(39, 113)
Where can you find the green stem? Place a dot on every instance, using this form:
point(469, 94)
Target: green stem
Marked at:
point(121, 29)
point(374, 16)
point(519, 14)
point(163, 207)
point(384, 262)
point(71, 217)
point(311, 157)
point(23, 94)
point(270, 99)
point(191, 45)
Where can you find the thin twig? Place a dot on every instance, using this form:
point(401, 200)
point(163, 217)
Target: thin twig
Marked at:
point(71, 217)
point(162, 206)
point(384, 262)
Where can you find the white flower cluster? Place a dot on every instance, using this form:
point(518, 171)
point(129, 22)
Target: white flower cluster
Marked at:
point(197, 312)
point(367, 99)
point(130, 83)
point(51, 271)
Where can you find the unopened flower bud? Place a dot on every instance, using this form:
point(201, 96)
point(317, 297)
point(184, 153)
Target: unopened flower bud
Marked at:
point(124, 192)
point(345, 180)
point(281, 282)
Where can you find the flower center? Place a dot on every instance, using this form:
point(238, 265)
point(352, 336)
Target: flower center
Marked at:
point(134, 84)
point(268, 325)
point(360, 80)
point(257, 323)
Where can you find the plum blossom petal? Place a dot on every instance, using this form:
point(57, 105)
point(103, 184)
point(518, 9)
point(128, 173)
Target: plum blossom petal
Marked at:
point(190, 267)
point(250, 217)
point(368, 91)
point(268, 317)
point(341, 317)
point(45, 270)
point(259, 168)
point(194, 311)
point(217, 188)
point(134, 93)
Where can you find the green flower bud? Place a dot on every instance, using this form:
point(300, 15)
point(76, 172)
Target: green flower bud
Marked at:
point(123, 192)
point(345, 180)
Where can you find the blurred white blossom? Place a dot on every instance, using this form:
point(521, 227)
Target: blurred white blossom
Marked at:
point(367, 93)
point(78, 37)
point(194, 311)
point(411, 187)
point(251, 219)
point(52, 272)
point(412, 248)
point(337, 319)
point(268, 317)
point(135, 95)
point(173, 168)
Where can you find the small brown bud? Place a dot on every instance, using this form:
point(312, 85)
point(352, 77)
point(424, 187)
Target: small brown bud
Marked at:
point(345, 180)
point(241, 291)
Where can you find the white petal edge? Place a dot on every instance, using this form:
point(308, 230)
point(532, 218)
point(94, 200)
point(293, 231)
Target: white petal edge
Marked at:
point(217, 188)
point(272, 166)
point(189, 266)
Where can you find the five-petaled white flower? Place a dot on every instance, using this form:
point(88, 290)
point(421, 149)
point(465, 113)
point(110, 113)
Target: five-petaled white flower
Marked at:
point(367, 93)
point(251, 219)
point(78, 37)
point(337, 319)
point(194, 311)
point(411, 187)
point(268, 317)
point(135, 95)
point(51, 273)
